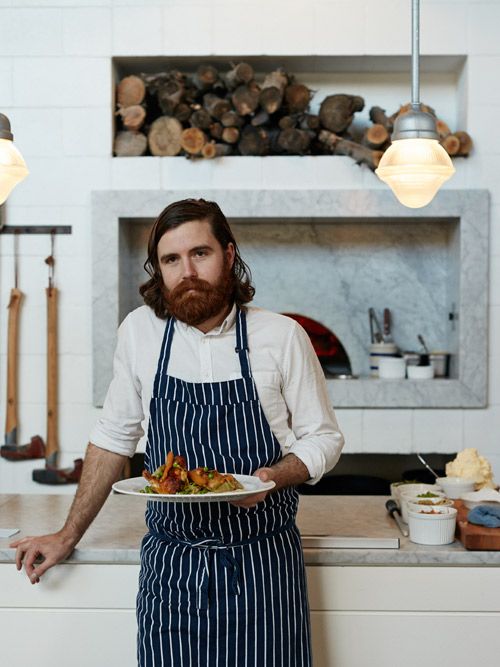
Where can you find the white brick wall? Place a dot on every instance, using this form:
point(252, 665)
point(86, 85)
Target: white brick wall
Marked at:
point(55, 85)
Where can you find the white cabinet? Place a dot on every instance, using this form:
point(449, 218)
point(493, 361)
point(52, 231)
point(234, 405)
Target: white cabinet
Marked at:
point(84, 616)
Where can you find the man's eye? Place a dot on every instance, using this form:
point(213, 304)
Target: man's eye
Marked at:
point(169, 260)
point(200, 253)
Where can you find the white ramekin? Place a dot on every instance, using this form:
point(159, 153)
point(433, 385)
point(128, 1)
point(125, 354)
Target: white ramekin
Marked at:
point(409, 496)
point(435, 529)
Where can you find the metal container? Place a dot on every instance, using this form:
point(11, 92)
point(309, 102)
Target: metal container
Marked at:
point(441, 363)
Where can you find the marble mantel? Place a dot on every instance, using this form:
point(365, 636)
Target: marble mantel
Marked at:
point(466, 212)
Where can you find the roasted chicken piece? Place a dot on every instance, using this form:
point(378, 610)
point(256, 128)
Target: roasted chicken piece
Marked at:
point(168, 485)
point(214, 480)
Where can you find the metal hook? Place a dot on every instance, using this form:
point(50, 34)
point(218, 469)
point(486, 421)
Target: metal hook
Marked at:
point(50, 260)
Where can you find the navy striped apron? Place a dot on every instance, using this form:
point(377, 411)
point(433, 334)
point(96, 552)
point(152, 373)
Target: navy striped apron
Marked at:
point(219, 584)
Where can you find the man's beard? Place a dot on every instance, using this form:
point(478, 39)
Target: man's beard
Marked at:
point(204, 302)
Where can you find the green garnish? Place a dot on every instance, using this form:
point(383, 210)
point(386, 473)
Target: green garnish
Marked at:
point(429, 494)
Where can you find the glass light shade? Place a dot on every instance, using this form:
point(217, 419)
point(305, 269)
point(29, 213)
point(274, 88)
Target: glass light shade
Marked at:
point(415, 169)
point(12, 168)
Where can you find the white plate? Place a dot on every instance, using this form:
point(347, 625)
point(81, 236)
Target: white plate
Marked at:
point(251, 485)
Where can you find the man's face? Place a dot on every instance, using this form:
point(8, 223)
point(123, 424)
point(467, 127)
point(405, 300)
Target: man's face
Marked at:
point(196, 271)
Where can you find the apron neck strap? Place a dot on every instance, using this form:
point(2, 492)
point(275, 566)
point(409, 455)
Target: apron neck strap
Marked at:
point(242, 342)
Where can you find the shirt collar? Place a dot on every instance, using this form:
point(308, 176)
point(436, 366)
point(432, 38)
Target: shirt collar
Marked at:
point(226, 325)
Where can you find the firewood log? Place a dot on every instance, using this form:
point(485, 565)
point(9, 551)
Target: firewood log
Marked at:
point(215, 130)
point(232, 119)
point(378, 116)
point(271, 99)
point(170, 94)
point(240, 73)
point(254, 141)
point(130, 144)
point(361, 154)
point(165, 136)
point(287, 122)
point(442, 129)
point(375, 136)
point(293, 141)
point(205, 77)
point(260, 118)
point(230, 135)
point(130, 91)
point(216, 106)
point(309, 121)
point(297, 97)
point(451, 144)
point(277, 79)
point(192, 140)
point(337, 111)
point(465, 143)
point(245, 99)
point(132, 117)
point(183, 112)
point(201, 118)
point(211, 150)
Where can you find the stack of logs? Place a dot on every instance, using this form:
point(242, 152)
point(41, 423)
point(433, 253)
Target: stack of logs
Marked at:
point(212, 114)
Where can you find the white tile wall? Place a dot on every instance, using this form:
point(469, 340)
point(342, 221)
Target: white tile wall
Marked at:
point(55, 85)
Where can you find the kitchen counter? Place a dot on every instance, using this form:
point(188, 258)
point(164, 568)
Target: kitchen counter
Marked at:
point(116, 534)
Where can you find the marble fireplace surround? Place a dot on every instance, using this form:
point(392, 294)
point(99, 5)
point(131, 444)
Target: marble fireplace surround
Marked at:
point(464, 212)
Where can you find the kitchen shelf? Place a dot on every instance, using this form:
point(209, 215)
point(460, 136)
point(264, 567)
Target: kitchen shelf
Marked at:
point(376, 393)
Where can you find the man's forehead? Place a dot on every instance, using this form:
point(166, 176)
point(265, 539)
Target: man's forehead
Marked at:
point(194, 232)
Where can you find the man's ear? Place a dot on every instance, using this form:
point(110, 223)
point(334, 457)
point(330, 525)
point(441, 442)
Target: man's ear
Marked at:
point(230, 254)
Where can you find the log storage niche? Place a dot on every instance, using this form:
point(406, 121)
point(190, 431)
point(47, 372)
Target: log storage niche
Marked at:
point(213, 111)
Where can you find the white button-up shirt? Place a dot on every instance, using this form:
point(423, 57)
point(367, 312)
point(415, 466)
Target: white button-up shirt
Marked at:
point(289, 380)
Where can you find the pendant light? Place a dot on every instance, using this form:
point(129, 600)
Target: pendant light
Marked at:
point(415, 165)
point(12, 166)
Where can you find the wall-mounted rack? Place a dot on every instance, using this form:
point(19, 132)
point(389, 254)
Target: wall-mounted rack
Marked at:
point(35, 229)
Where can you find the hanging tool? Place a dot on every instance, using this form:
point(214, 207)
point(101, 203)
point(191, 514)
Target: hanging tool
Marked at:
point(11, 450)
point(51, 474)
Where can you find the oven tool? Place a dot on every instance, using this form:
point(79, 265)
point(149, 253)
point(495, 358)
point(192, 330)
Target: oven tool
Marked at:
point(11, 451)
point(51, 474)
point(387, 326)
point(394, 511)
point(378, 332)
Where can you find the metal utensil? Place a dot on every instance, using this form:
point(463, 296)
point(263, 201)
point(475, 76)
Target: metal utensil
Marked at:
point(394, 511)
point(422, 343)
point(387, 326)
point(422, 460)
point(378, 333)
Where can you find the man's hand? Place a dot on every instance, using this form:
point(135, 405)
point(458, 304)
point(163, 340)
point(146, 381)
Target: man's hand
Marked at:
point(289, 471)
point(265, 475)
point(51, 548)
point(100, 469)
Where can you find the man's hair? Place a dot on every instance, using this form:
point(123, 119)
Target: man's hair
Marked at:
point(174, 215)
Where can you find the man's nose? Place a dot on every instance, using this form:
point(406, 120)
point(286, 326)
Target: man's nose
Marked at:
point(188, 268)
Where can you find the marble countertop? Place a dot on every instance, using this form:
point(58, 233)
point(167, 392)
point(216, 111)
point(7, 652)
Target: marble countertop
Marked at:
point(116, 533)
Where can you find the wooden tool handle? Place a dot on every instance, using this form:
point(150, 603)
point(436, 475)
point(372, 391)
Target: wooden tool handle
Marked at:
point(12, 345)
point(52, 444)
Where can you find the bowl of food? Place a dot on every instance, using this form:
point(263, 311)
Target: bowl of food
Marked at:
point(397, 488)
point(432, 525)
point(411, 496)
point(414, 505)
point(455, 487)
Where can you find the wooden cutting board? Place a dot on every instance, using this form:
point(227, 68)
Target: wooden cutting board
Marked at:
point(475, 538)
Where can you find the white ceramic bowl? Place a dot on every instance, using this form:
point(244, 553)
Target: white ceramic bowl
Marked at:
point(412, 496)
point(420, 372)
point(455, 487)
point(416, 505)
point(486, 496)
point(432, 525)
point(391, 368)
point(398, 487)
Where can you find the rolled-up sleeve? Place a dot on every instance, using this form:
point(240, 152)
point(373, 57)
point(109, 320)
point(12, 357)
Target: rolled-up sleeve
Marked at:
point(318, 440)
point(119, 429)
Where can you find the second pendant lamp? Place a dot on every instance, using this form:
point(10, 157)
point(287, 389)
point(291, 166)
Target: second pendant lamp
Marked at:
point(415, 165)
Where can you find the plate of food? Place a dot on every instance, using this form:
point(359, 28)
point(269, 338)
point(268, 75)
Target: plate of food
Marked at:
point(173, 482)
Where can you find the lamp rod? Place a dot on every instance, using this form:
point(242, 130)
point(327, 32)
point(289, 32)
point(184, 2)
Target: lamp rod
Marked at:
point(35, 229)
point(415, 52)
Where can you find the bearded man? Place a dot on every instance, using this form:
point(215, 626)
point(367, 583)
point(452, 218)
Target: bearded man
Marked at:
point(230, 387)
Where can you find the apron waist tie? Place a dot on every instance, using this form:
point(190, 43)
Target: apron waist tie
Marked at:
point(209, 547)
